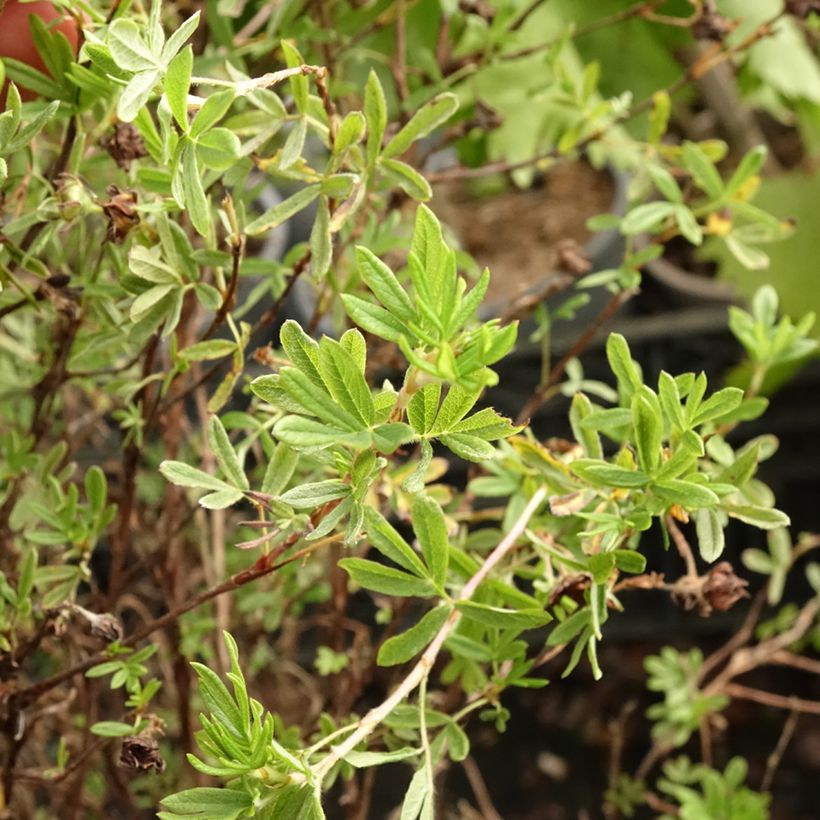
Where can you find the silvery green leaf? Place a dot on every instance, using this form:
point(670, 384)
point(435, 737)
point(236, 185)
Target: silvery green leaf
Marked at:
point(136, 94)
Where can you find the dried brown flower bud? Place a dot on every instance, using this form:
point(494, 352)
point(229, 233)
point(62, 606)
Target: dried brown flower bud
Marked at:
point(571, 258)
point(121, 212)
point(104, 626)
point(722, 588)
point(573, 586)
point(124, 144)
point(140, 753)
point(711, 24)
point(802, 8)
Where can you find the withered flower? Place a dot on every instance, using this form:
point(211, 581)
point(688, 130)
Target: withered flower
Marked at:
point(105, 626)
point(722, 588)
point(121, 212)
point(140, 753)
point(125, 144)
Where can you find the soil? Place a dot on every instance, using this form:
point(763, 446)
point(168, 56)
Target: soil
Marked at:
point(515, 233)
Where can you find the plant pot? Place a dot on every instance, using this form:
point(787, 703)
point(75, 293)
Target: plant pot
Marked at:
point(17, 42)
point(678, 280)
point(519, 236)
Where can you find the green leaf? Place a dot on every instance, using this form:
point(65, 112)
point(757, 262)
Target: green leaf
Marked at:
point(305, 433)
point(283, 211)
point(321, 241)
point(207, 350)
point(195, 199)
point(218, 149)
point(629, 561)
point(500, 618)
point(111, 728)
point(382, 281)
point(648, 424)
point(213, 109)
point(374, 318)
point(225, 454)
point(345, 381)
point(749, 166)
point(468, 447)
point(702, 169)
point(431, 531)
point(375, 112)
point(177, 84)
point(403, 647)
point(764, 518)
point(423, 407)
point(386, 580)
point(688, 225)
point(646, 217)
point(299, 83)
point(390, 544)
point(620, 360)
point(294, 144)
point(127, 47)
point(145, 302)
point(221, 499)
point(280, 469)
point(136, 94)
point(363, 760)
point(408, 179)
point(146, 263)
point(178, 38)
point(569, 628)
point(302, 351)
point(183, 475)
point(710, 534)
point(602, 473)
point(718, 405)
point(758, 561)
point(429, 117)
point(689, 495)
point(486, 424)
point(387, 437)
point(665, 183)
point(670, 400)
point(350, 132)
point(581, 409)
point(457, 403)
point(210, 803)
point(313, 495)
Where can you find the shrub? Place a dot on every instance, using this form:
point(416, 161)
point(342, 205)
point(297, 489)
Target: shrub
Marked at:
point(171, 438)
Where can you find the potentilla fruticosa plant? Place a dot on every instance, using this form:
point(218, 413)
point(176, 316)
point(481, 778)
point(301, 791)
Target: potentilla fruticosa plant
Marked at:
point(198, 493)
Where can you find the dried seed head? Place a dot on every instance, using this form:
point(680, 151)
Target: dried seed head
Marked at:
point(104, 626)
point(121, 212)
point(140, 753)
point(722, 588)
point(125, 144)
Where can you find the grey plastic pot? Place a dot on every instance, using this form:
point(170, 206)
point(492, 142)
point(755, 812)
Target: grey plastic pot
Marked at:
point(604, 250)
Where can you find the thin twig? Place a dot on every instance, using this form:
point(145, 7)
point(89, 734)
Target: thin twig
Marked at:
point(740, 692)
point(683, 547)
point(540, 393)
point(479, 787)
point(776, 756)
point(422, 668)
